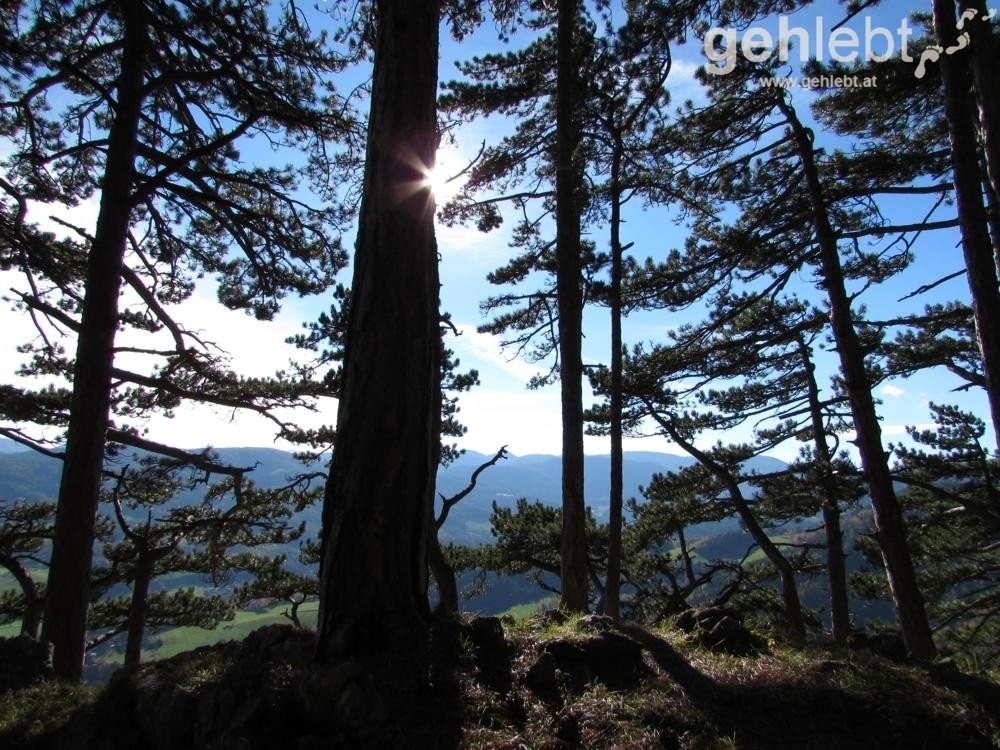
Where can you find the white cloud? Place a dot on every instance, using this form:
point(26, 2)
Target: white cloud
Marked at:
point(892, 391)
point(83, 215)
point(901, 429)
point(485, 350)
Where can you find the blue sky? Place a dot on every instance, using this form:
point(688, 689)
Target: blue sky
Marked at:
point(502, 411)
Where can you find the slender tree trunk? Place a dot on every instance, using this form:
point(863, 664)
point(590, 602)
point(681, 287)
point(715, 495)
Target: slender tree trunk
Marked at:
point(889, 528)
point(379, 499)
point(980, 258)
point(612, 606)
point(137, 610)
point(784, 569)
point(68, 588)
point(569, 287)
point(32, 619)
point(293, 614)
point(34, 605)
point(836, 571)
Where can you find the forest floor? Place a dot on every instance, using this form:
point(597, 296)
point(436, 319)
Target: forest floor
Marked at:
point(547, 683)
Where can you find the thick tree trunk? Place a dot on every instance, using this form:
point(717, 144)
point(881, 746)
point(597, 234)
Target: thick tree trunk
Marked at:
point(379, 500)
point(137, 611)
point(569, 287)
point(889, 528)
point(68, 588)
point(836, 570)
point(980, 259)
point(612, 604)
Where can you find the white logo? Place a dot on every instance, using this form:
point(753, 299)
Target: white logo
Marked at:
point(839, 45)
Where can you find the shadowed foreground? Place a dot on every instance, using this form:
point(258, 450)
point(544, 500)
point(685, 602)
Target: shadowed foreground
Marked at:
point(549, 683)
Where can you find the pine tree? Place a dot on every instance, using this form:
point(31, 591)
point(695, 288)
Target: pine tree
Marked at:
point(951, 497)
point(201, 538)
point(25, 528)
point(752, 148)
point(161, 96)
point(379, 501)
point(980, 253)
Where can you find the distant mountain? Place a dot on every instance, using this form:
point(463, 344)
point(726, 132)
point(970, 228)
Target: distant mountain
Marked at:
point(32, 476)
point(539, 477)
point(28, 475)
point(10, 446)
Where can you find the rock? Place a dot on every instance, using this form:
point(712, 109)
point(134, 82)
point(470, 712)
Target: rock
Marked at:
point(596, 623)
point(541, 678)
point(572, 659)
point(616, 660)
point(493, 656)
point(720, 630)
point(165, 713)
point(279, 643)
point(487, 634)
point(610, 658)
point(887, 645)
point(23, 661)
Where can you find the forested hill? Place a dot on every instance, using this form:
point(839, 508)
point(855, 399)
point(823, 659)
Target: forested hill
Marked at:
point(34, 476)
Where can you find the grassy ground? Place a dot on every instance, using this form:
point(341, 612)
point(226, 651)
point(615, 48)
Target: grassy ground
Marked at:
point(689, 699)
point(173, 641)
point(522, 612)
point(176, 640)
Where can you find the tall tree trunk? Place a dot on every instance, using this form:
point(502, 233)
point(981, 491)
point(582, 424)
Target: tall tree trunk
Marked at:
point(612, 605)
point(889, 528)
point(983, 54)
point(137, 609)
point(68, 588)
point(836, 571)
point(980, 259)
point(379, 499)
point(569, 288)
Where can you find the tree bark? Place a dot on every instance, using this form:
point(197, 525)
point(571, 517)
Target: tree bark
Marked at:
point(68, 588)
point(444, 577)
point(836, 571)
point(889, 528)
point(379, 499)
point(137, 610)
point(34, 605)
point(980, 259)
point(983, 53)
point(569, 289)
point(612, 588)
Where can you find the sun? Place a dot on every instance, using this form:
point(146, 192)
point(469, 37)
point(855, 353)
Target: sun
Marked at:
point(446, 179)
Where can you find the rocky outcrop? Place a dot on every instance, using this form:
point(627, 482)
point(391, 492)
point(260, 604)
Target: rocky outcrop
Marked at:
point(610, 658)
point(719, 630)
point(23, 661)
point(263, 693)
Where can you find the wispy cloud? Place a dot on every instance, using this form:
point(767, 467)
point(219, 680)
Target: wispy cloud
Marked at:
point(486, 350)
